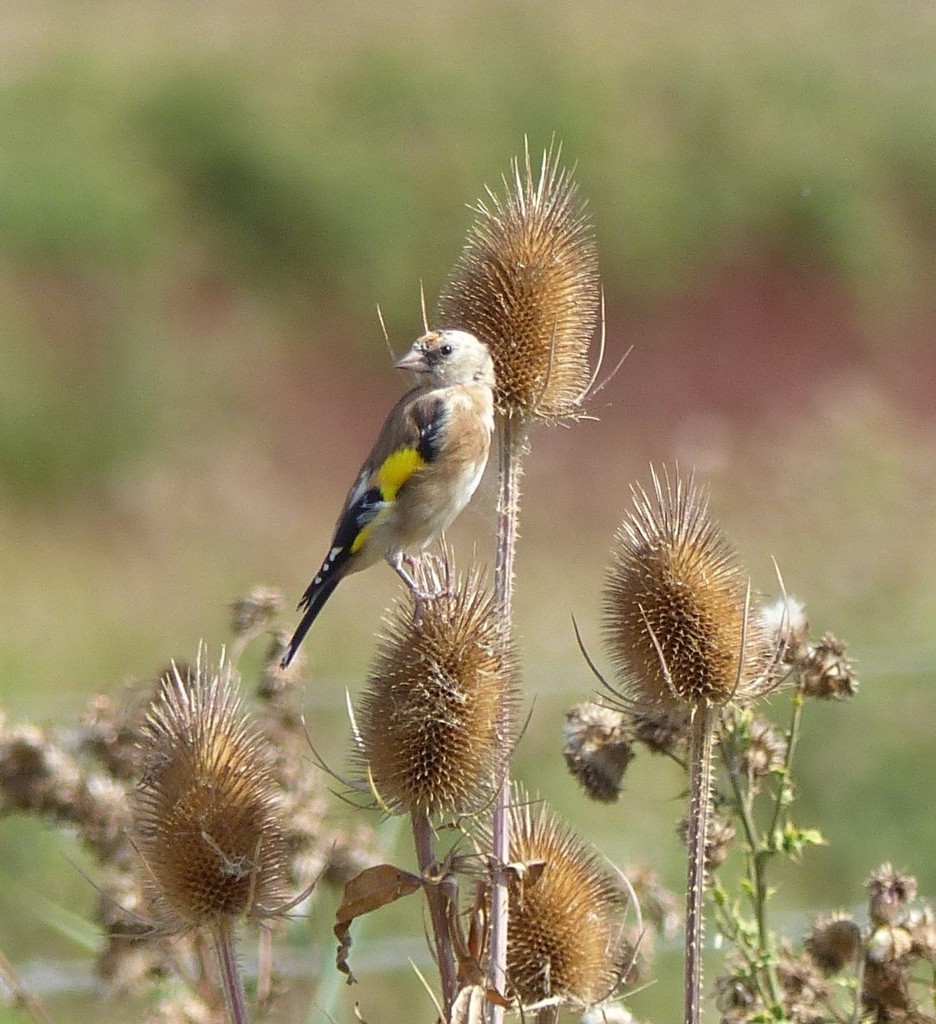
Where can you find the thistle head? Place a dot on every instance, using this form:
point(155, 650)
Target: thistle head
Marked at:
point(431, 718)
point(677, 616)
point(206, 823)
point(526, 283)
point(597, 749)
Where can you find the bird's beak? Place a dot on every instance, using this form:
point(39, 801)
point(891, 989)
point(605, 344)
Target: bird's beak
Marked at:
point(414, 360)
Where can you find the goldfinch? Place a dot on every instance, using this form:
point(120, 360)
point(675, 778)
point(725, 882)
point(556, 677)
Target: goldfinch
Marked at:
point(423, 469)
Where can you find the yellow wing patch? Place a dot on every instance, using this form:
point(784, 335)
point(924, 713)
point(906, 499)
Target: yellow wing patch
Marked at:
point(396, 469)
point(392, 474)
point(361, 539)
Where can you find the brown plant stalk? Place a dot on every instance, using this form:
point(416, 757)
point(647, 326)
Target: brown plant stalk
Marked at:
point(526, 284)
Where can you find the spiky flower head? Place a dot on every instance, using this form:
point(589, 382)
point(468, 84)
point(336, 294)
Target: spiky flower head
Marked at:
point(205, 810)
point(526, 283)
point(564, 938)
point(431, 717)
point(677, 616)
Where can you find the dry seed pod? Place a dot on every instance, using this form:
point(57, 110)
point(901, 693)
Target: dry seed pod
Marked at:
point(565, 929)
point(826, 672)
point(526, 283)
point(430, 719)
point(677, 619)
point(597, 749)
point(889, 892)
point(663, 731)
point(205, 810)
point(834, 942)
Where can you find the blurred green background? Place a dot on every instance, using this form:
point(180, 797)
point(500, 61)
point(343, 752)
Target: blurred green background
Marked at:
point(201, 206)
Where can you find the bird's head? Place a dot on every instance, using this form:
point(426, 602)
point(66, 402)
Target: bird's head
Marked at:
point(450, 357)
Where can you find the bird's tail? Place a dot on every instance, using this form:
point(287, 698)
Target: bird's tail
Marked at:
point(313, 601)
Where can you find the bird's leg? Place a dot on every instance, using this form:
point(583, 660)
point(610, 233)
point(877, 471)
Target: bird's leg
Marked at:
point(404, 565)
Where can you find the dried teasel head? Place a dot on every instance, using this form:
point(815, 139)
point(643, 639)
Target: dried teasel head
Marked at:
point(526, 283)
point(565, 936)
point(206, 823)
point(677, 617)
point(438, 695)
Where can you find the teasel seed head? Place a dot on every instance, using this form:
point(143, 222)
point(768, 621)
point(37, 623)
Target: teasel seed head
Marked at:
point(206, 823)
point(565, 930)
point(431, 718)
point(597, 749)
point(677, 616)
point(526, 283)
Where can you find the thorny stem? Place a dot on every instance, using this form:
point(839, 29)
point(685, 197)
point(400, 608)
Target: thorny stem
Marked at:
point(512, 446)
point(438, 911)
point(230, 976)
point(700, 792)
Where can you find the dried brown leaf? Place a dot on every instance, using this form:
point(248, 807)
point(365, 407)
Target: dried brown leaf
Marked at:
point(373, 888)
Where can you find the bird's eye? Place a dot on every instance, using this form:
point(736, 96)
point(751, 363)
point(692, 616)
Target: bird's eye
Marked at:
point(445, 350)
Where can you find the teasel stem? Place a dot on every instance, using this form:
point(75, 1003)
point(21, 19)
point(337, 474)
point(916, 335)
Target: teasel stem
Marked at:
point(526, 283)
point(513, 443)
point(438, 911)
point(231, 982)
point(700, 801)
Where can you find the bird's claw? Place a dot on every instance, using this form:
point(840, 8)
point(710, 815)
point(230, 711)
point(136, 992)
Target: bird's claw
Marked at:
point(421, 598)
